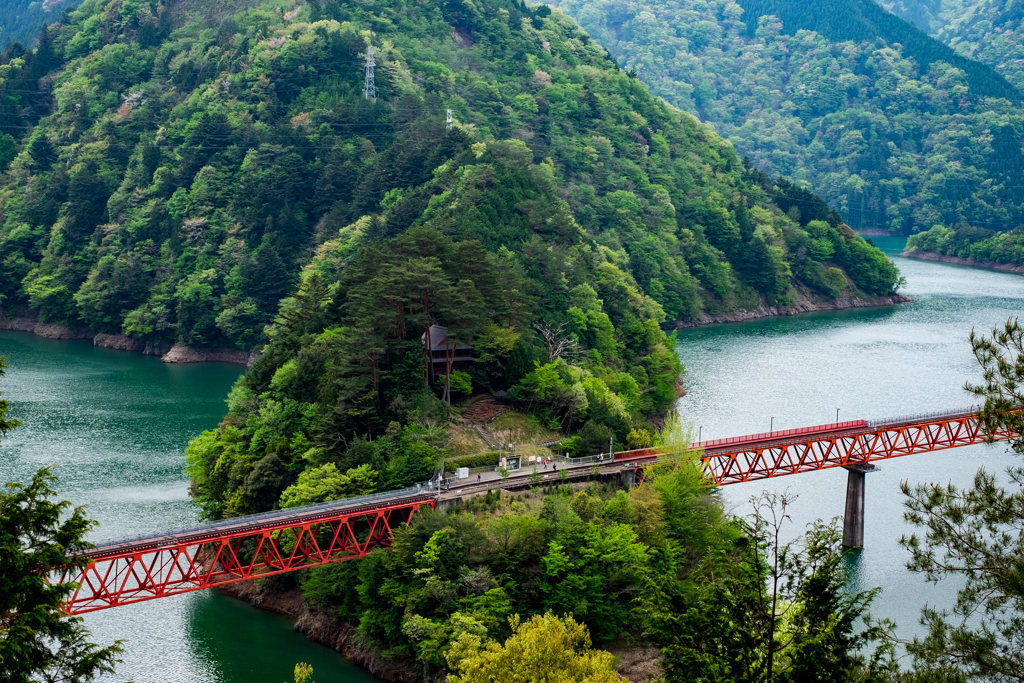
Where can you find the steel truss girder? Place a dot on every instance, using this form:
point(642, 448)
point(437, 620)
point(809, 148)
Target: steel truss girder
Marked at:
point(849, 448)
point(123, 578)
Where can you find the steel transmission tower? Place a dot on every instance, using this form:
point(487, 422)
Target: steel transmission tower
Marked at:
point(449, 122)
point(369, 89)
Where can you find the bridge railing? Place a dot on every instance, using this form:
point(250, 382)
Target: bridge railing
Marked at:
point(924, 417)
point(291, 514)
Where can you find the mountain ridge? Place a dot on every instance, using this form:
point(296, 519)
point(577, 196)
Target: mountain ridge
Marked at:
point(889, 145)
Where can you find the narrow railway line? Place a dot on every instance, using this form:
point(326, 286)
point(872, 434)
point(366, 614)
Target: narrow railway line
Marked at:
point(125, 571)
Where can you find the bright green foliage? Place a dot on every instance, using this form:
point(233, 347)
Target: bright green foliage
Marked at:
point(594, 581)
point(975, 244)
point(37, 642)
point(889, 126)
point(303, 673)
point(545, 648)
point(588, 554)
point(661, 558)
point(325, 483)
point(461, 383)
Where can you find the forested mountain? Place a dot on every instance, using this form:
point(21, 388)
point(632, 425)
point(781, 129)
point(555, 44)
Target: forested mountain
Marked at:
point(179, 176)
point(22, 20)
point(863, 21)
point(923, 14)
point(891, 144)
point(173, 175)
point(989, 31)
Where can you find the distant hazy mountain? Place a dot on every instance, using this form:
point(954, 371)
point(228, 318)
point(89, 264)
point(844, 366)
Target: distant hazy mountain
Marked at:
point(923, 14)
point(20, 21)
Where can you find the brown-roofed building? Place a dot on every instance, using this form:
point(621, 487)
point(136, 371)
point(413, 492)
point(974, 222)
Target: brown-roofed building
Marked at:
point(442, 349)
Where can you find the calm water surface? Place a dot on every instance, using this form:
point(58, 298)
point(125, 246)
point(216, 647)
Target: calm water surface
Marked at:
point(869, 364)
point(115, 425)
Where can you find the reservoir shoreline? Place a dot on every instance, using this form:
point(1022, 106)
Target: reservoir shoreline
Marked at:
point(168, 353)
point(805, 303)
point(959, 261)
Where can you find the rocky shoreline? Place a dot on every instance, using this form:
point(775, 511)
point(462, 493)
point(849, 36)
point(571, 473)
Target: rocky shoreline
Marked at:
point(958, 261)
point(635, 664)
point(168, 353)
point(808, 302)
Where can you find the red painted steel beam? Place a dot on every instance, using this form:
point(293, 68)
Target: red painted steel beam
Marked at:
point(245, 548)
point(136, 571)
point(778, 457)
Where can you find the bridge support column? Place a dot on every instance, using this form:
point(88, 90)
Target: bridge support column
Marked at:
point(446, 504)
point(628, 478)
point(853, 520)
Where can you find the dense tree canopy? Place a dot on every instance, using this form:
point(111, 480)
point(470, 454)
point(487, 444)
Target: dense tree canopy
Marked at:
point(889, 126)
point(974, 244)
point(176, 177)
point(987, 31)
point(486, 589)
point(171, 173)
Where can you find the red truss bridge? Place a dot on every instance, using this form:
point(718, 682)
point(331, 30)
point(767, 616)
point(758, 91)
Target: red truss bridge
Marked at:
point(147, 567)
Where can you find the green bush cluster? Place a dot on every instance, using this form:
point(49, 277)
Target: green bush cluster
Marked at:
point(968, 242)
point(660, 561)
point(589, 553)
point(488, 459)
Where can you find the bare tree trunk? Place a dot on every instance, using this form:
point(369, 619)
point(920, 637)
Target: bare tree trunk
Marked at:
point(430, 354)
point(449, 362)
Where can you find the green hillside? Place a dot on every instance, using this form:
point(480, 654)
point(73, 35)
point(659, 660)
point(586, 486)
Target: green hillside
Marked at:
point(173, 175)
point(987, 31)
point(888, 143)
point(923, 14)
point(174, 180)
point(863, 21)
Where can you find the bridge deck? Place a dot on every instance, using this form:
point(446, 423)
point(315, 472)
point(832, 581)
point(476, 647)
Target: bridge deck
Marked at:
point(130, 570)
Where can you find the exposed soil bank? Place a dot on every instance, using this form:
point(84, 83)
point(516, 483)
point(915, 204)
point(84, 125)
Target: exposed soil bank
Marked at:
point(808, 302)
point(877, 232)
point(956, 260)
point(47, 330)
point(634, 663)
point(168, 353)
point(186, 354)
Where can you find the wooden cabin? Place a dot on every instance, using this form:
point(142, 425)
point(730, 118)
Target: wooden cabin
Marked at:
point(442, 348)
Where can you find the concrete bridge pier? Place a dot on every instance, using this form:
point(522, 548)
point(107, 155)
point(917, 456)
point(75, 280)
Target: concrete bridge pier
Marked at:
point(446, 504)
point(628, 478)
point(853, 520)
